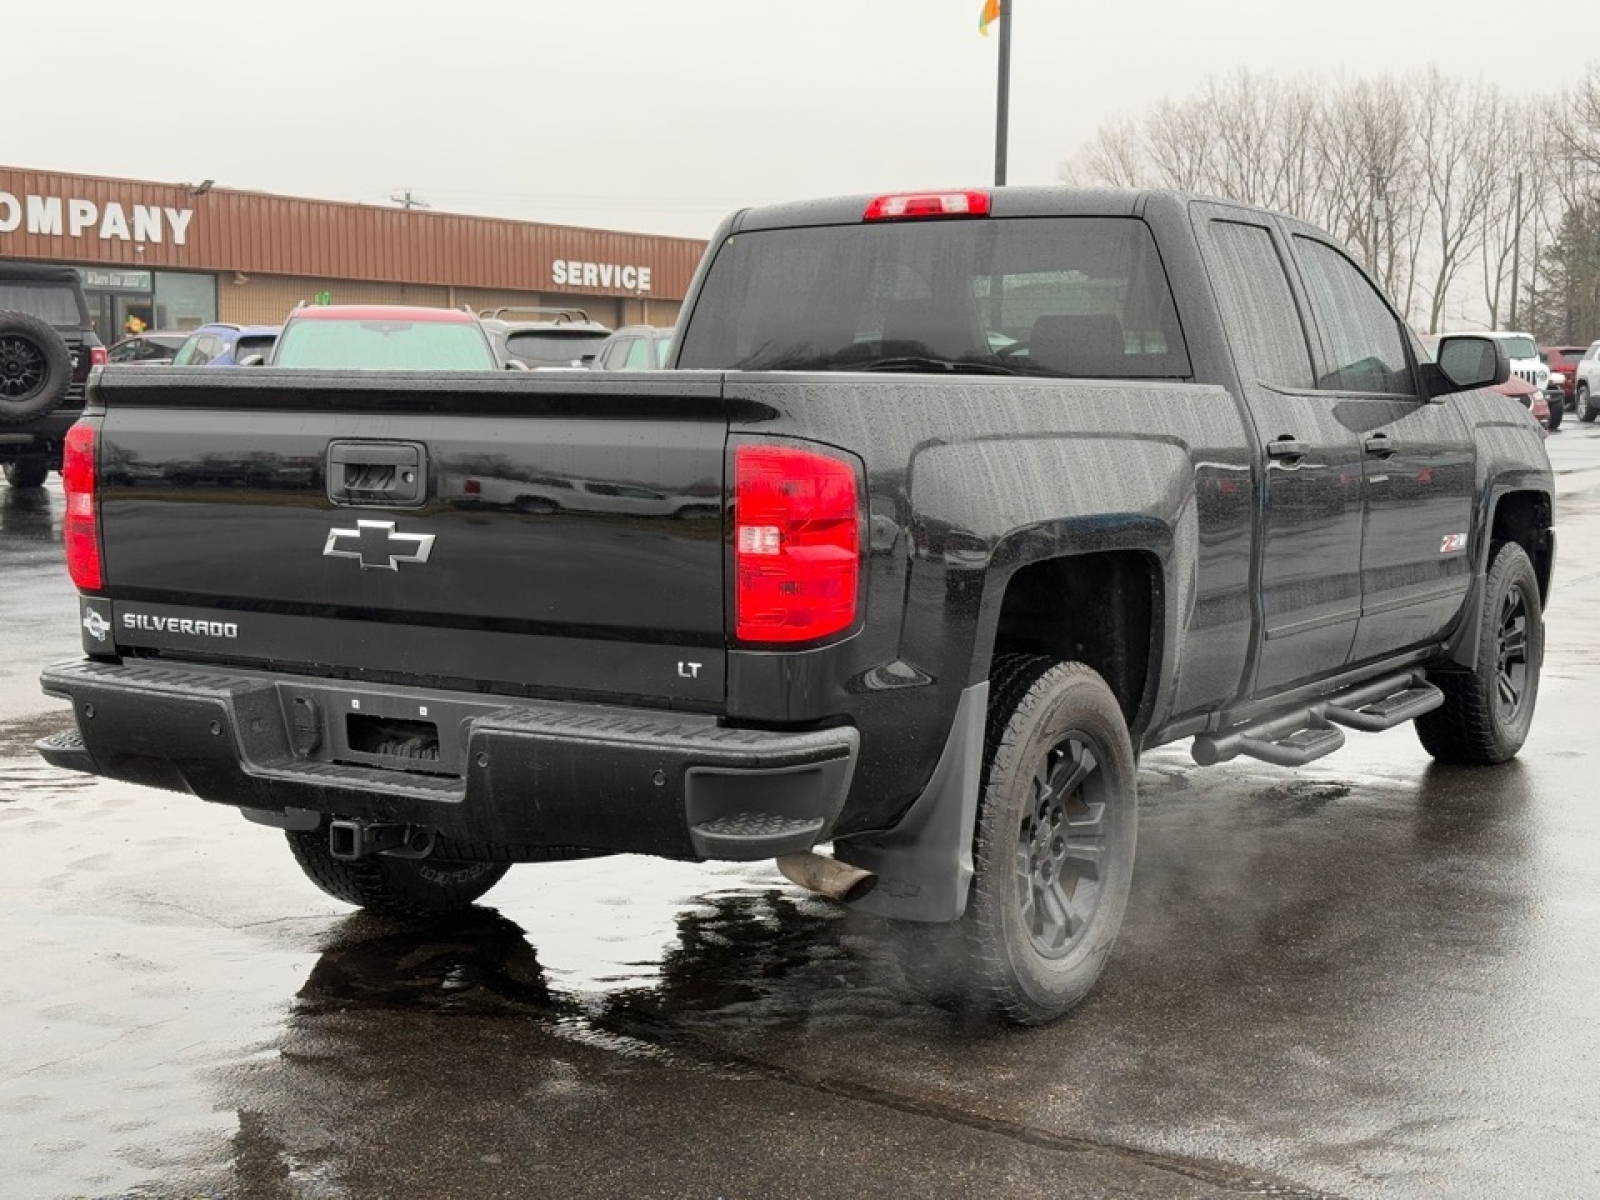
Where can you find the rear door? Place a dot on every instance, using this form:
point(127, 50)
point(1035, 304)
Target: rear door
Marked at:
point(534, 534)
point(1310, 455)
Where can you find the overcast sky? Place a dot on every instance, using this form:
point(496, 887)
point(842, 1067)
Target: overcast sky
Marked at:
point(660, 116)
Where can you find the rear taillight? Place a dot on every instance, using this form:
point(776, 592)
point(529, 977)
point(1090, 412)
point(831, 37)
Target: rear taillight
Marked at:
point(911, 205)
point(81, 528)
point(97, 356)
point(797, 544)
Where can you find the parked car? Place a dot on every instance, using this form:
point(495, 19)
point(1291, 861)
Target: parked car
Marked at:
point(47, 348)
point(147, 349)
point(1563, 364)
point(223, 345)
point(1586, 385)
point(541, 338)
point(384, 337)
point(635, 348)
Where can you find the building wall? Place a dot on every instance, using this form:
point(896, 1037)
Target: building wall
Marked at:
point(267, 299)
point(148, 226)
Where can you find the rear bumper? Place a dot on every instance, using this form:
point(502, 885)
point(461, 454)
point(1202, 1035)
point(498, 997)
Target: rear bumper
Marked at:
point(520, 774)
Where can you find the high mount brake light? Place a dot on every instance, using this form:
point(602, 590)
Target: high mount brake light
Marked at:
point(912, 205)
point(81, 526)
point(797, 544)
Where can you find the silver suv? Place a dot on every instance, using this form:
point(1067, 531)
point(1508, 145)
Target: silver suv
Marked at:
point(542, 338)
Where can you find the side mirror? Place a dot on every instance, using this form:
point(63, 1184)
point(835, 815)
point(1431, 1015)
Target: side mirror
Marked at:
point(253, 360)
point(1467, 361)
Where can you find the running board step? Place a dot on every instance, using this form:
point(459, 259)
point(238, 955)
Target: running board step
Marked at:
point(1296, 737)
point(1394, 709)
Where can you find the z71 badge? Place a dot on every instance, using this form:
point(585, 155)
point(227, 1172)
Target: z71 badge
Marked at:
point(1452, 543)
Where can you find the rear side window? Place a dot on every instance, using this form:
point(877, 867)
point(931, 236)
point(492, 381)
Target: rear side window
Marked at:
point(53, 304)
point(1257, 304)
point(638, 355)
point(1061, 296)
point(1365, 346)
point(246, 346)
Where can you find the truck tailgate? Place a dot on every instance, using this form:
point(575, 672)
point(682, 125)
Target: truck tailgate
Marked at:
point(535, 534)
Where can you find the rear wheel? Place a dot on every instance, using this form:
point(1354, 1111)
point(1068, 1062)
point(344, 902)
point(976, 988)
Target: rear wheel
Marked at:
point(1558, 410)
point(1583, 405)
point(1053, 852)
point(28, 472)
point(1487, 713)
point(35, 368)
point(405, 887)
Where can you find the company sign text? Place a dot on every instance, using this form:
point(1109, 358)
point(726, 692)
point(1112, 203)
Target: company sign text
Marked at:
point(69, 216)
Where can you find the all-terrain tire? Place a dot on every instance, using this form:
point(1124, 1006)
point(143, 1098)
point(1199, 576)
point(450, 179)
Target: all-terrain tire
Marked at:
point(403, 887)
point(1052, 853)
point(30, 472)
point(35, 368)
point(1583, 405)
point(1487, 712)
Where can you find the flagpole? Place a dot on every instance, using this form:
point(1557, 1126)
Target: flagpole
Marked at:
point(1003, 104)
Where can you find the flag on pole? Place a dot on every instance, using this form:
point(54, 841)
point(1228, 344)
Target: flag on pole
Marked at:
point(990, 13)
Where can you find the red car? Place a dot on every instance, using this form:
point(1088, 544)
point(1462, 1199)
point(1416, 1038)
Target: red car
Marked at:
point(1531, 398)
point(1565, 360)
point(383, 337)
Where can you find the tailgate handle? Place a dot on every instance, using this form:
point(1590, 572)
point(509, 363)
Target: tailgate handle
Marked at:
point(380, 473)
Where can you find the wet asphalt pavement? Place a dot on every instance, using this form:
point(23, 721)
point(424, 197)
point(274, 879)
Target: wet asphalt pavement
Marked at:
point(1367, 978)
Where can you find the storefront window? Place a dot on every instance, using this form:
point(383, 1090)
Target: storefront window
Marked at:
point(185, 301)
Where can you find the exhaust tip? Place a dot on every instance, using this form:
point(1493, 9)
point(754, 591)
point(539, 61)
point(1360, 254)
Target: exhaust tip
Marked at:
point(827, 876)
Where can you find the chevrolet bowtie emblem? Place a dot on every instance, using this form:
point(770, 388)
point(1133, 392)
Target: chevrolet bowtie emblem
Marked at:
point(377, 547)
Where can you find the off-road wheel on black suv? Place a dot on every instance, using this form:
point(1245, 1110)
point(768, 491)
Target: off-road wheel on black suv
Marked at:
point(402, 887)
point(30, 472)
point(1583, 405)
point(1486, 712)
point(1053, 851)
point(35, 368)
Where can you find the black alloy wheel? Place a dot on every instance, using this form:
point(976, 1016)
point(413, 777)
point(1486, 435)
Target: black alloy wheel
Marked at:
point(22, 368)
point(1061, 846)
point(35, 368)
point(1511, 654)
point(1488, 710)
point(1052, 851)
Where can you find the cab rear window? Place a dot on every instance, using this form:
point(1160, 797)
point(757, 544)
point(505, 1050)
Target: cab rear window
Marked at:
point(1060, 296)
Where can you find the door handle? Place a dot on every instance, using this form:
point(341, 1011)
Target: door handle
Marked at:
point(377, 473)
point(1379, 445)
point(1286, 447)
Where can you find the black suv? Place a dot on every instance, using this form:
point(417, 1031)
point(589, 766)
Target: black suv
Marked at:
point(47, 348)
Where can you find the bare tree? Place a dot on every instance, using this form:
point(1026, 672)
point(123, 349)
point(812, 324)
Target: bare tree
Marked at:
point(1460, 172)
point(1418, 178)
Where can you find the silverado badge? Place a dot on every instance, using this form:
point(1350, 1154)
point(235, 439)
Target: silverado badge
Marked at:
point(377, 547)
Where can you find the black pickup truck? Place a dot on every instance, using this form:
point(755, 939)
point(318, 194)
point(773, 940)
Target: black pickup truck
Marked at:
point(955, 503)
